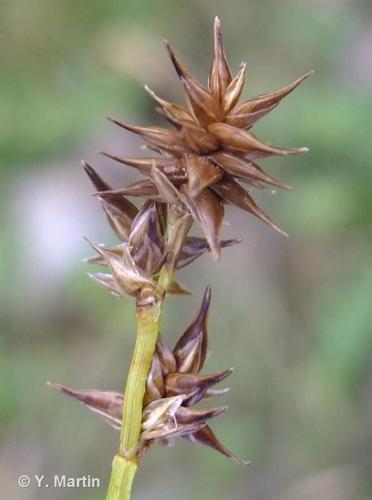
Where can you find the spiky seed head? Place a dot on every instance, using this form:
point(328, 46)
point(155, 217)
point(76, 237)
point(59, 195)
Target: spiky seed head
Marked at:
point(211, 149)
point(174, 386)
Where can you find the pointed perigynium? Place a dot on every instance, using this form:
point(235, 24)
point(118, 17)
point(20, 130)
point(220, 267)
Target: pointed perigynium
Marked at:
point(174, 387)
point(146, 240)
point(211, 149)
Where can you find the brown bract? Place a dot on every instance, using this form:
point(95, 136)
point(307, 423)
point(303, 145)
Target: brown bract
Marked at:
point(174, 386)
point(210, 149)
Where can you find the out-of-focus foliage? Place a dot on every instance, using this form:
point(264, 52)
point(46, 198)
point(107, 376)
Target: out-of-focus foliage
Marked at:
point(293, 317)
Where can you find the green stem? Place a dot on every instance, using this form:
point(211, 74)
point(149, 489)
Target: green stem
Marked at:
point(124, 465)
point(122, 477)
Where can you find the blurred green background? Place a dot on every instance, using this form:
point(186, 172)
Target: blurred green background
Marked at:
point(292, 316)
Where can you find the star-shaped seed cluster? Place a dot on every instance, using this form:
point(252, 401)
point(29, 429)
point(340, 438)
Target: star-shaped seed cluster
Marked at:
point(210, 152)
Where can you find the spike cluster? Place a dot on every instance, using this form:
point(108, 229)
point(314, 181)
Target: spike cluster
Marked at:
point(210, 151)
point(195, 169)
point(145, 245)
point(174, 387)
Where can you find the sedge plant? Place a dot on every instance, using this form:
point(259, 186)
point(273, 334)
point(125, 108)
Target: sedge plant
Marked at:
point(195, 168)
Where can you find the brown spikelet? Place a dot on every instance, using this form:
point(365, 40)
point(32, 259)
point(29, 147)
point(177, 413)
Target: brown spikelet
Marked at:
point(191, 349)
point(210, 212)
point(137, 189)
point(220, 75)
point(107, 281)
point(155, 382)
point(265, 101)
point(109, 404)
point(128, 277)
point(165, 188)
point(174, 112)
point(120, 211)
point(166, 357)
point(162, 138)
point(206, 437)
point(234, 89)
point(201, 173)
point(194, 247)
point(172, 167)
point(195, 385)
point(176, 240)
point(244, 169)
point(174, 386)
point(187, 415)
point(236, 195)
point(211, 138)
point(244, 142)
point(199, 140)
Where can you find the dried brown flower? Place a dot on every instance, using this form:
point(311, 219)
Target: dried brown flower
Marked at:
point(174, 387)
point(211, 149)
